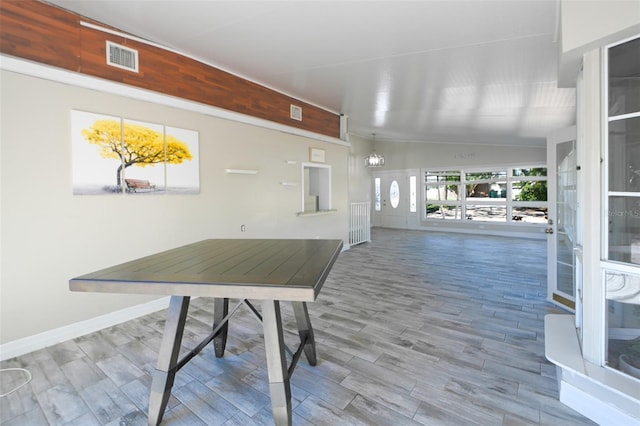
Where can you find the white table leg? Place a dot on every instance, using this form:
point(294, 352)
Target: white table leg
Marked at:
point(279, 386)
point(167, 358)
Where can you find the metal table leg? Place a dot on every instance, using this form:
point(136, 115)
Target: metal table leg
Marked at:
point(279, 386)
point(167, 358)
point(220, 310)
point(305, 330)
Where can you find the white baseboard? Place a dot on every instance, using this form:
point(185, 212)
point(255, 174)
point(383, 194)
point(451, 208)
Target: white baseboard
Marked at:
point(48, 338)
point(594, 408)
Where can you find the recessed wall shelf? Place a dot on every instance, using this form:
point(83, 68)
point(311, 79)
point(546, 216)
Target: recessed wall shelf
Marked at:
point(241, 172)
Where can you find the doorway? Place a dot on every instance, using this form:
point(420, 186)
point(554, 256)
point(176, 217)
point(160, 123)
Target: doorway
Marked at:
point(563, 278)
point(395, 199)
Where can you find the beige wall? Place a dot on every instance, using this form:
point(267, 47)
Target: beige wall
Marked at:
point(49, 235)
point(359, 174)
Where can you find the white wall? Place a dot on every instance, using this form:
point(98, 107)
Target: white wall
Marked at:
point(402, 156)
point(407, 155)
point(49, 235)
point(586, 25)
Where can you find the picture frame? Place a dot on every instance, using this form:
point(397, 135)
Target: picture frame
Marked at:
point(316, 155)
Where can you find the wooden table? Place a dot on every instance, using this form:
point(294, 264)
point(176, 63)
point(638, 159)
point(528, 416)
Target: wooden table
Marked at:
point(270, 270)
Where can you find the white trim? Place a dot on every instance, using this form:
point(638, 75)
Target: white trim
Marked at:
point(515, 231)
point(594, 408)
point(623, 194)
point(601, 394)
point(325, 200)
point(622, 267)
point(623, 41)
point(33, 69)
point(61, 334)
point(592, 209)
point(623, 116)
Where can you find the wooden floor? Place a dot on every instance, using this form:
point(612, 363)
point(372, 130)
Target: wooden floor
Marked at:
point(413, 328)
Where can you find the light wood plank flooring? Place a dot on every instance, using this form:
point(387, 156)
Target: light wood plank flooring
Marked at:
point(413, 328)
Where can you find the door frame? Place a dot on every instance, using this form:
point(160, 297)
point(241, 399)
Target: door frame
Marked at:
point(410, 219)
point(555, 295)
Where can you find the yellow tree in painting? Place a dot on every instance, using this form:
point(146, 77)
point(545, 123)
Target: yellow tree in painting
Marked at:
point(141, 146)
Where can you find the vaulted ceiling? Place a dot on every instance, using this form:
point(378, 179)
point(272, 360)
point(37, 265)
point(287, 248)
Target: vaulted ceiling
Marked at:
point(448, 71)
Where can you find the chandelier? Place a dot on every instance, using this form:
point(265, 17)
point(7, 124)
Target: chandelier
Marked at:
point(373, 159)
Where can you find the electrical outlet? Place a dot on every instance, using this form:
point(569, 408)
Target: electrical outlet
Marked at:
point(243, 228)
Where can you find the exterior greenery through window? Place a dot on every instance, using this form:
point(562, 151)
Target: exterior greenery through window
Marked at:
point(506, 195)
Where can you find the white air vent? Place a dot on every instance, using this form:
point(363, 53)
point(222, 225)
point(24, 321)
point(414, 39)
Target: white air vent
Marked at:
point(296, 112)
point(122, 57)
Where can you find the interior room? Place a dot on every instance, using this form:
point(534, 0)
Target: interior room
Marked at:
point(474, 164)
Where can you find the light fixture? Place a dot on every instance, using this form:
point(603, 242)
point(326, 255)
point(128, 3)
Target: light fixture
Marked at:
point(373, 159)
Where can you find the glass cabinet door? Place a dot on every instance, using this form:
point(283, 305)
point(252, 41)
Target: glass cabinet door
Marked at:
point(621, 272)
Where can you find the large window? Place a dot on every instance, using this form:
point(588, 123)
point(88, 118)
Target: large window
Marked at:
point(621, 272)
point(377, 202)
point(507, 195)
point(413, 203)
point(442, 189)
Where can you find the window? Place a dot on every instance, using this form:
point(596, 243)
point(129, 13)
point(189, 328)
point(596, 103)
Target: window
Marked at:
point(441, 195)
point(376, 195)
point(508, 195)
point(482, 185)
point(413, 204)
point(485, 193)
point(394, 194)
point(621, 225)
point(529, 195)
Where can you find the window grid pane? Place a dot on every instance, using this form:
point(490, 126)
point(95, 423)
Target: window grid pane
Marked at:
point(510, 195)
point(413, 205)
point(621, 225)
point(444, 212)
point(377, 196)
point(442, 192)
point(530, 172)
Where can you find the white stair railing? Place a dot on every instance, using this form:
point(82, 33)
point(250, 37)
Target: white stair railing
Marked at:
point(359, 223)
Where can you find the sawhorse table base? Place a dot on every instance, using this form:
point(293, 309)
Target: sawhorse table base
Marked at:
point(275, 348)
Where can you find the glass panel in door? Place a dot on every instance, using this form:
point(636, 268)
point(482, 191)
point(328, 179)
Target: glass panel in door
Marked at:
point(391, 191)
point(562, 217)
point(566, 217)
point(621, 269)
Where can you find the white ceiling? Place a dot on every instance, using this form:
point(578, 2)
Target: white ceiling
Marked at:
point(447, 71)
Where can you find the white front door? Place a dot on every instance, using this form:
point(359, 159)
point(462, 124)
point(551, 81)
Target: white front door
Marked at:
point(392, 211)
point(563, 240)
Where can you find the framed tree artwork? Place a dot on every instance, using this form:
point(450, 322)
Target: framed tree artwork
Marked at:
point(115, 155)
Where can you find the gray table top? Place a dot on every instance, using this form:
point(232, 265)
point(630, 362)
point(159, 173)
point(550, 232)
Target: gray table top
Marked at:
point(275, 269)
